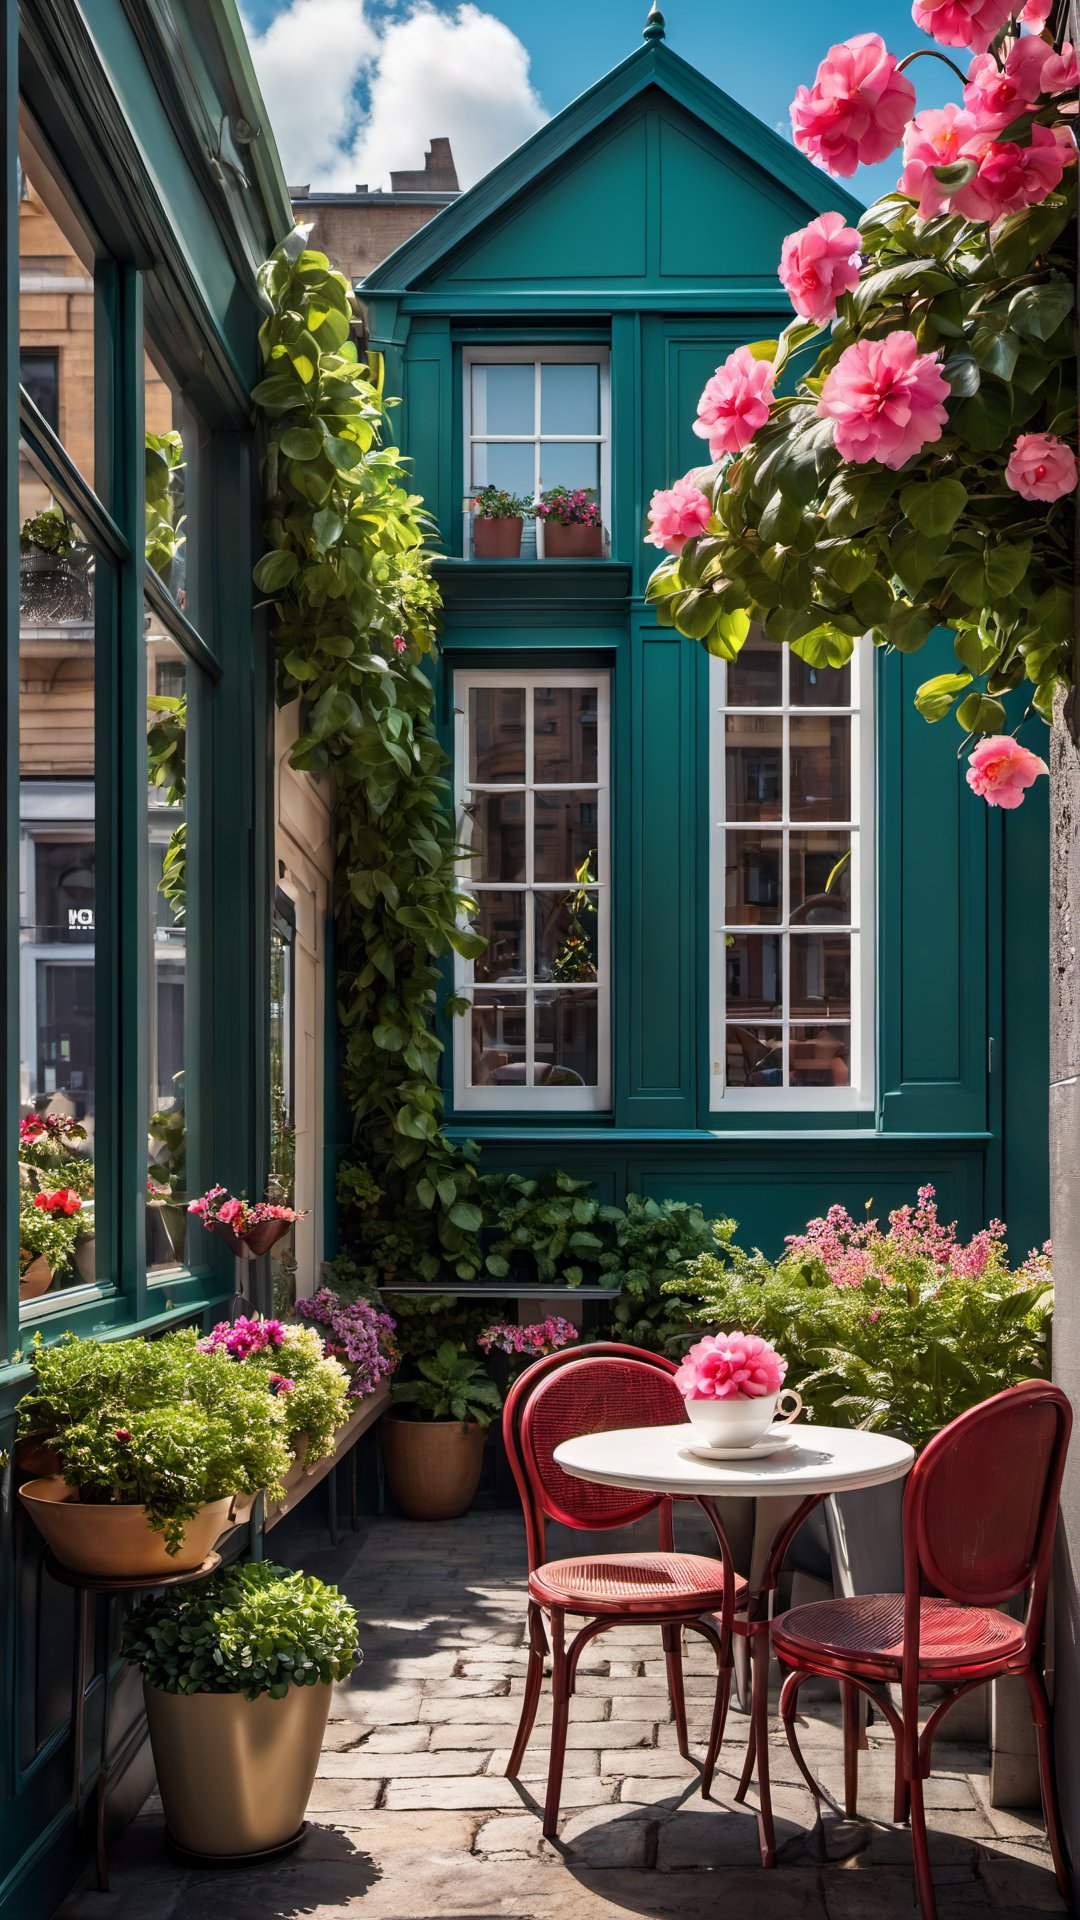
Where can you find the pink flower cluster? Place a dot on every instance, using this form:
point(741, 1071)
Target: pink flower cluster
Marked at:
point(358, 1334)
point(963, 23)
point(1007, 177)
point(245, 1337)
point(217, 1206)
point(735, 403)
point(677, 514)
point(853, 1252)
point(1041, 467)
point(887, 399)
point(857, 108)
point(730, 1366)
point(570, 507)
point(540, 1337)
point(1000, 770)
point(818, 264)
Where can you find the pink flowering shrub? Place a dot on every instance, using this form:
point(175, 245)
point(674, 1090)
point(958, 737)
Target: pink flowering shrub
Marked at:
point(1000, 771)
point(887, 399)
point(356, 1333)
point(676, 514)
point(852, 1252)
point(731, 1366)
point(857, 108)
point(526, 1343)
point(296, 1366)
point(818, 264)
point(735, 402)
point(1041, 467)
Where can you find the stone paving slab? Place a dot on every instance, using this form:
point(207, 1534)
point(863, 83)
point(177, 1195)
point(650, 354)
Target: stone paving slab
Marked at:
point(412, 1817)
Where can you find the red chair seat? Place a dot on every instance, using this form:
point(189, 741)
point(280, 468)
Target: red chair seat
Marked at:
point(866, 1635)
point(618, 1583)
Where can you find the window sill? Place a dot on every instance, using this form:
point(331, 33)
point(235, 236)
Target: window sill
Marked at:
point(548, 580)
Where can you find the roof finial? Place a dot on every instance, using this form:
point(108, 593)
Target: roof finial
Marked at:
point(654, 25)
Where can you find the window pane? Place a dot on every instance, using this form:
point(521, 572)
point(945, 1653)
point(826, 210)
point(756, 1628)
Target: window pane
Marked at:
point(510, 466)
point(569, 399)
point(495, 833)
point(815, 860)
point(497, 735)
point(565, 935)
point(819, 686)
point(566, 836)
point(567, 1049)
point(564, 734)
point(821, 974)
point(820, 769)
point(755, 679)
point(58, 903)
point(171, 449)
point(56, 299)
point(753, 891)
point(497, 1039)
point(819, 1056)
point(167, 739)
point(754, 1056)
point(754, 763)
point(504, 399)
point(500, 917)
point(754, 979)
point(564, 465)
point(39, 373)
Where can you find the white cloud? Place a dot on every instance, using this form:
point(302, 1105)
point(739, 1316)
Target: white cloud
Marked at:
point(351, 95)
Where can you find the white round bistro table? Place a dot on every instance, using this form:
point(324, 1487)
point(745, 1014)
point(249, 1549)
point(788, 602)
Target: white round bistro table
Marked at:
point(788, 1486)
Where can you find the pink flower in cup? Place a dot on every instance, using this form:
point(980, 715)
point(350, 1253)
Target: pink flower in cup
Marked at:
point(962, 23)
point(886, 398)
point(1041, 467)
point(735, 403)
point(857, 108)
point(730, 1366)
point(1000, 770)
point(818, 264)
point(677, 514)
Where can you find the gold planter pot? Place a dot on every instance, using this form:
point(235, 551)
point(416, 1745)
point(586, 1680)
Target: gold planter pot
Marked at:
point(118, 1541)
point(235, 1774)
point(433, 1466)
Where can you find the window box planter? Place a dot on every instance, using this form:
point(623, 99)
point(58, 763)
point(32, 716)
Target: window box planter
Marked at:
point(497, 539)
point(575, 542)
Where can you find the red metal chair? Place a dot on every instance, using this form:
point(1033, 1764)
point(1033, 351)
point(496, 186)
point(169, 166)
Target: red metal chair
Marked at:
point(602, 1388)
point(980, 1508)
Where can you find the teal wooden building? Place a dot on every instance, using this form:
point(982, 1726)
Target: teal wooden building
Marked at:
point(750, 938)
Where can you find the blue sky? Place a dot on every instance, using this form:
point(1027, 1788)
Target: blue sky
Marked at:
point(758, 55)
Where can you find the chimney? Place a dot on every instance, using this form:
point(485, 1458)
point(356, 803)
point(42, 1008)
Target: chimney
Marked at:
point(439, 173)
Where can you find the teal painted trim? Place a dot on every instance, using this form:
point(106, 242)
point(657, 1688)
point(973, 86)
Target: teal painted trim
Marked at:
point(96, 522)
point(648, 66)
point(729, 297)
point(521, 1132)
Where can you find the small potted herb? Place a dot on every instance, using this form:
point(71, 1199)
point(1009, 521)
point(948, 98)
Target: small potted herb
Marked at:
point(573, 529)
point(498, 519)
point(237, 1673)
point(433, 1441)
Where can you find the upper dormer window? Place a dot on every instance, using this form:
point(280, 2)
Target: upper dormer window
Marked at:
point(537, 417)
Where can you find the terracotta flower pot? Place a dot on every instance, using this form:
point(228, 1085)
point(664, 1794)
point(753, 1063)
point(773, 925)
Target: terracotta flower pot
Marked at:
point(257, 1240)
point(433, 1466)
point(37, 1457)
point(36, 1280)
point(572, 543)
point(235, 1774)
point(117, 1541)
point(85, 1258)
point(496, 539)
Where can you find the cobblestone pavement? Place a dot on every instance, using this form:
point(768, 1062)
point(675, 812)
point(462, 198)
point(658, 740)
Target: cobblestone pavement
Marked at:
point(412, 1819)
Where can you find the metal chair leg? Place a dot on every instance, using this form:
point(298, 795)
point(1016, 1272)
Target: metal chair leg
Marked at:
point(672, 1638)
point(534, 1680)
point(920, 1846)
point(719, 1717)
point(560, 1717)
point(1040, 1713)
point(849, 1694)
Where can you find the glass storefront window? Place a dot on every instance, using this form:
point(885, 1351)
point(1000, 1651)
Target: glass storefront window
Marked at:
point(171, 448)
point(56, 305)
point(167, 764)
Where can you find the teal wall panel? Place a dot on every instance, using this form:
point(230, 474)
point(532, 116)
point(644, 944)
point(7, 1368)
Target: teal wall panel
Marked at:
point(749, 214)
point(426, 427)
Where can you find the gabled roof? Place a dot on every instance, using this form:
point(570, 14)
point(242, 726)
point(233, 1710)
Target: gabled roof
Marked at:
point(653, 65)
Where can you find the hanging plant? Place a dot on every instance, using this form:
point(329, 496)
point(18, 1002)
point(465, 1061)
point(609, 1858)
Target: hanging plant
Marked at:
point(354, 616)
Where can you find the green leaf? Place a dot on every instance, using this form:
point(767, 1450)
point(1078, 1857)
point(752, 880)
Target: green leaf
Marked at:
point(981, 714)
point(934, 506)
point(895, 283)
point(824, 646)
point(985, 420)
point(935, 697)
point(275, 570)
point(1038, 311)
point(301, 443)
point(1006, 565)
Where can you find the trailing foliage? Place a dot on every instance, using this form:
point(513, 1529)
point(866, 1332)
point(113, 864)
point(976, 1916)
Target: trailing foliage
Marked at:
point(254, 1628)
point(354, 615)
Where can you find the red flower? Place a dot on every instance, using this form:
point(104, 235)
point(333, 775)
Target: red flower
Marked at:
point(122, 1436)
point(64, 1200)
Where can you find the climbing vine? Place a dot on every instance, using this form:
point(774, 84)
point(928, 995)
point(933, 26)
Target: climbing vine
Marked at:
point(355, 614)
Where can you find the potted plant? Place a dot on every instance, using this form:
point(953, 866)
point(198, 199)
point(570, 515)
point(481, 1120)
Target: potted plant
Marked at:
point(61, 1181)
point(155, 1440)
point(358, 1334)
point(248, 1228)
point(311, 1384)
point(433, 1441)
point(573, 529)
point(53, 568)
point(47, 1236)
point(237, 1674)
point(498, 519)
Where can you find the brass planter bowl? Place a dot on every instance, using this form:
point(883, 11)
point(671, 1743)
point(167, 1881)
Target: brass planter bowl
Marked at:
point(117, 1541)
point(235, 1774)
point(433, 1466)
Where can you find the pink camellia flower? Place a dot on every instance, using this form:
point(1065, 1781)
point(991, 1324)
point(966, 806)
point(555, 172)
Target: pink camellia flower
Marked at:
point(818, 264)
point(1041, 467)
point(730, 1366)
point(995, 94)
point(1000, 770)
point(677, 514)
point(1039, 68)
point(857, 108)
point(1010, 177)
point(229, 1211)
point(886, 398)
point(735, 403)
point(399, 643)
point(962, 23)
point(938, 137)
point(1035, 15)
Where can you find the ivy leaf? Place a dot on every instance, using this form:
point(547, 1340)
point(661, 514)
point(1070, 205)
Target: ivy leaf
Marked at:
point(935, 697)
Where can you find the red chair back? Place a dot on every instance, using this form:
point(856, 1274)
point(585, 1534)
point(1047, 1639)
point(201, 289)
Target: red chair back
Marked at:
point(598, 1390)
point(981, 1502)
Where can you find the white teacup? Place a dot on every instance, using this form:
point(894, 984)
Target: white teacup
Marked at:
point(738, 1423)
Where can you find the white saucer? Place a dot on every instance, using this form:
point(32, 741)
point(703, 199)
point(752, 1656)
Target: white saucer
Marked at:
point(772, 1442)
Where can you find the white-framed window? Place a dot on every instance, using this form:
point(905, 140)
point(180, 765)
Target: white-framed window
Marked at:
point(537, 417)
point(533, 787)
point(792, 904)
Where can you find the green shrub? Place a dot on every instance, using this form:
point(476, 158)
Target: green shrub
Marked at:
point(253, 1628)
point(452, 1386)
